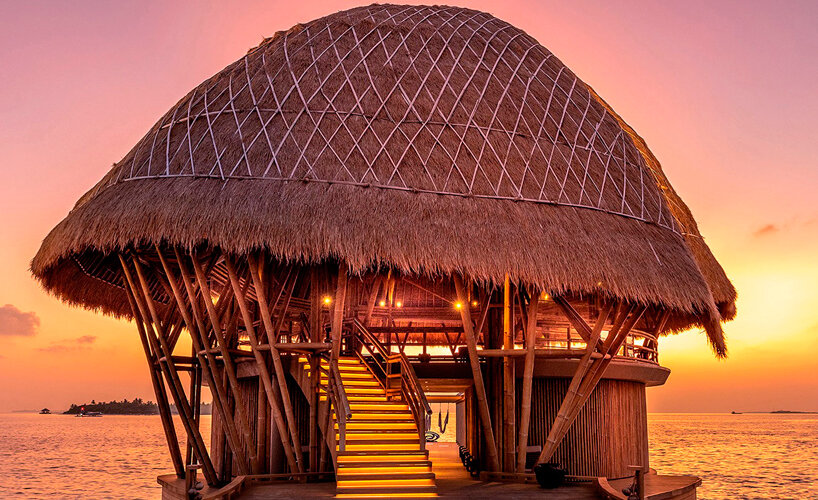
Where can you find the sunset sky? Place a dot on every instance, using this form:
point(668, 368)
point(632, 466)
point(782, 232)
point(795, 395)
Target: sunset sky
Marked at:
point(725, 93)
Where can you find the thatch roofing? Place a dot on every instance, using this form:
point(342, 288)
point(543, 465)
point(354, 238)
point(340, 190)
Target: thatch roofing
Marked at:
point(431, 139)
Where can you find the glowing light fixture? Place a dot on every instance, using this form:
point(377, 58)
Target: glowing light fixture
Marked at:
point(458, 305)
point(474, 303)
point(382, 303)
point(327, 300)
point(398, 304)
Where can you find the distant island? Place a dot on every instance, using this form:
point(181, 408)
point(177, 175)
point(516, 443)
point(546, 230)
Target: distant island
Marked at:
point(125, 407)
point(786, 412)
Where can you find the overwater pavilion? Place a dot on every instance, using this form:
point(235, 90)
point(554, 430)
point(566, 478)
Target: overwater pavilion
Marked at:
point(377, 209)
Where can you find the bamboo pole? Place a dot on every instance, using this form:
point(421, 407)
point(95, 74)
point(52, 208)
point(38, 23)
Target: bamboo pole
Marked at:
point(261, 427)
point(338, 311)
point(315, 365)
point(373, 296)
point(159, 390)
point(272, 338)
point(261, 364)
point(209, 369)
point(528, 380)
point(556, 433)
point(229, 366)
point(158, 342)
point(474, 362)
point(509, 449)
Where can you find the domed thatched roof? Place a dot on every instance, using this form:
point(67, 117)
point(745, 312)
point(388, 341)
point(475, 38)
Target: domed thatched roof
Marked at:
point(431, 139)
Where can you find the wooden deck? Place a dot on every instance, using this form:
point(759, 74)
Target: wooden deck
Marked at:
point(453, 481)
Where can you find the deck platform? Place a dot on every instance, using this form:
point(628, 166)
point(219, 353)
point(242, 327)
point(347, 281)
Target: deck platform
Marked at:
point(453, 481)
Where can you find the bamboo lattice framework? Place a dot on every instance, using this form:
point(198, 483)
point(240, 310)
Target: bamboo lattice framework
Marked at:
point(423, 99)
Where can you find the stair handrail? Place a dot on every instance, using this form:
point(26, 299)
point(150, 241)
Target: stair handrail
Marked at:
point(337, 398)
point(411, 390)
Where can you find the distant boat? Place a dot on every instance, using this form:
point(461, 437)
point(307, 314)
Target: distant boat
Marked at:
point(45, 411)
point(89, 414)
point(735, 412)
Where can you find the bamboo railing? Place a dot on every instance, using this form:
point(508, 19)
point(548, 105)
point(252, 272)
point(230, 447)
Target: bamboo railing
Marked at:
point(388, 368)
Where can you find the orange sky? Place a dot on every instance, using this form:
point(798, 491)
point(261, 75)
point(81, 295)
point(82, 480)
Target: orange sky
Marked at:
point(724, 94)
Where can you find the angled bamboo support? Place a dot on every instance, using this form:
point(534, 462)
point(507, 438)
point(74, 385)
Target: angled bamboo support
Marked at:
point(561, 424)
point(528, 380)
point(272, 338)
point(159, 390)
point(601, 364)
point(229, 365)
point(207, 360)
point(156, 337)
point(474, 362)
point(261, 364)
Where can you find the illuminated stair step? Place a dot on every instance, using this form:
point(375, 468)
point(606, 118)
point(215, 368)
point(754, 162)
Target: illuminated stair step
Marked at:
point(381, 446)
point(381, 467)
point(387, 495)
point(354, 425)
point(387, 475)
point(376, 439)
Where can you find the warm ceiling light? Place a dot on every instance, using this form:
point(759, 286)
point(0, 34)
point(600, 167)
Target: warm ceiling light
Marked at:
point(458, 305)
point(327, 300)
point(474, 303)
point(382, 303)
point(545, 296)
point(398, 304)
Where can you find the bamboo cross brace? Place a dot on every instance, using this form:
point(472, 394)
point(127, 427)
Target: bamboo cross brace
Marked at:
point(528, 376)
point(159, 391)
point(272, 338)
point(209, 369)
point(155, 331)
point(601, 365)
point(474, 362)
point(261, 363)
point(229, 366)
point(556, 433)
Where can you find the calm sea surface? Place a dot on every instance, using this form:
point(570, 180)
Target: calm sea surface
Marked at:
point(738, 456)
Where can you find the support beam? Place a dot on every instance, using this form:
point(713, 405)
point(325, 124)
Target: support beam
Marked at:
point(509, 448)
point(338, 310)
point(528, 379)
point(158, 389)
point(229, 365)
point(474, 362)
point(158, 341)
point(261, 363)
point(272, 338)
point(207, 360)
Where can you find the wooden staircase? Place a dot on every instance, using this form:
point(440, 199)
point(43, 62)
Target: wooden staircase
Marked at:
point(382, 456)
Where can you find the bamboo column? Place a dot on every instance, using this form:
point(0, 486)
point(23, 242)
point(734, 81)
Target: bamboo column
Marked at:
point(315, 365)
point(474, 362)
point(154, 331)
point(201, 346)
point(528, 380)
point(158, 390)
point(272, 338)
point(229, 365)
point(509, 448)
point(265, 379)
point(338, 311)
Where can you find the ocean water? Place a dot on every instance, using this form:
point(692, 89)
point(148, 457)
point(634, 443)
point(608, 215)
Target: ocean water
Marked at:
point(750, 456)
